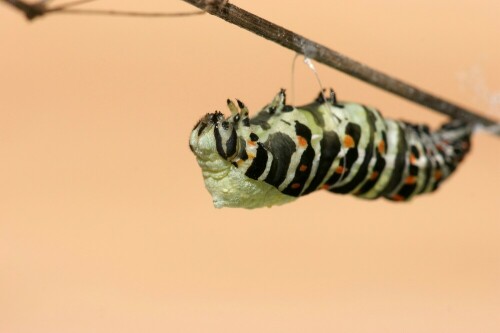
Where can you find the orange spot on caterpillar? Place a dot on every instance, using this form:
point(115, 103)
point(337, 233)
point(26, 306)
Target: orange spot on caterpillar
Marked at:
point(340, 169)
point(348, 141)
point(302, 168)
point(325, 187)
point(438, 175)
point(240, 162)
point(374, 175)
point(410, 180)
point(413, 159)
point(296, 185)
point(398, 197)
point(381, 147)
point(302, 141)
point(251, 143)
point(250, 155)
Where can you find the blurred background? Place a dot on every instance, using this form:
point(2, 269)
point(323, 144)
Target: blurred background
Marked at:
point(105, 224)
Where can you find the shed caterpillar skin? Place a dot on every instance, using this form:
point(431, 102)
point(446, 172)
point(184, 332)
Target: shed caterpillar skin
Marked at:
point(285, 152)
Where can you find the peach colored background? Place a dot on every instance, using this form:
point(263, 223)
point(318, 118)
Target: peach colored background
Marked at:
point(105, 225)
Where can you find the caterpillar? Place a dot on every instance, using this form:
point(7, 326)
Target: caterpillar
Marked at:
point(285, 152)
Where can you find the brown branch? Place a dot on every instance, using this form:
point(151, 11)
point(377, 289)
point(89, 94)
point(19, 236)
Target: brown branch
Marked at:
point(286, 38)
point(331, 58)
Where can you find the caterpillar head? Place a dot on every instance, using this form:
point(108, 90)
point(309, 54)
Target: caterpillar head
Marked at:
point(219, 145)
point(215, 140)
point(216, 134)
point(227, 136)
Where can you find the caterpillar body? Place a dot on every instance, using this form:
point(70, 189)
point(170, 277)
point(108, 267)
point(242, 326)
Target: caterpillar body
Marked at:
point(285, 152)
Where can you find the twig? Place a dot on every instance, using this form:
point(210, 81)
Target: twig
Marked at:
point(122, 13)
point(320, 53)
point(66, 9)
point(32, 11)
point(68, 5)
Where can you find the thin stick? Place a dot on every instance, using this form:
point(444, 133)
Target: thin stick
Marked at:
point(67, 9)
point(69, 5)
point(32, 11)
point(320, 53)
point(122, 13)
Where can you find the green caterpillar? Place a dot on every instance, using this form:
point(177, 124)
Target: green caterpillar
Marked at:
point(285, 152)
